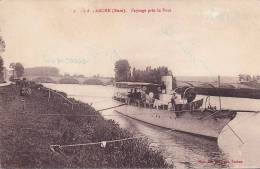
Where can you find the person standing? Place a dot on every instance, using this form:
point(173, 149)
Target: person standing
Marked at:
point(173, 102)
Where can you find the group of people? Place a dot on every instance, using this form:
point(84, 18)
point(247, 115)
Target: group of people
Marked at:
point(25, 87)
point(138, 96)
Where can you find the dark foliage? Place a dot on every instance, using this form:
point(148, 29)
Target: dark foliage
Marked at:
point(1, 69)
point(122, 70)
point(149, 75)
point(2, 49)
point(18, 69)
point(26, 134)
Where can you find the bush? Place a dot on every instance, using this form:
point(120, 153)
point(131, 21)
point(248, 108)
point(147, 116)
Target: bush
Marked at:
point(27, 138)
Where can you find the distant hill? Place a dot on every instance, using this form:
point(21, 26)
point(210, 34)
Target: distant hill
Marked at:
point(68, 80)
point(41, 71)
point(93, 81)
point(43, 80)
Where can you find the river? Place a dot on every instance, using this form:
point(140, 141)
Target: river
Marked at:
point(184, 150)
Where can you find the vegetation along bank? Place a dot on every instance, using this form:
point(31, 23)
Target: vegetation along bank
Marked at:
point(31, 123)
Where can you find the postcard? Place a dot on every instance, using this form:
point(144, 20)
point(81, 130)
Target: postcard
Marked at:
point(129, 84)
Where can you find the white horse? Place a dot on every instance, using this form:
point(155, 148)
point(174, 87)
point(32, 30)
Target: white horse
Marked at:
point(149, 100)
point(158, 103)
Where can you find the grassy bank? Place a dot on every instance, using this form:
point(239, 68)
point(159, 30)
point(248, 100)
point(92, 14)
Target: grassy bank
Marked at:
point(27, 133)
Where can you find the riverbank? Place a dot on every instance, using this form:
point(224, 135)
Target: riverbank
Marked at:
point(29, 125)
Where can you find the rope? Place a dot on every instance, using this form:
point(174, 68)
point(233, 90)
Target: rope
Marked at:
point(100, 142)
point(101, 101)
point(68, 115)
point(94, 143)
point(235, 134)
point(111, 107)
point(243, 120)
point(88, 96)
point(210, 115)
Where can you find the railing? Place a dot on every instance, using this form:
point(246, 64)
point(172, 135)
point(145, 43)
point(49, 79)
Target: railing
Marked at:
point(65, 98)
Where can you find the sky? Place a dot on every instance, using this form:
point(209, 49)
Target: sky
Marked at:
point(196, 38)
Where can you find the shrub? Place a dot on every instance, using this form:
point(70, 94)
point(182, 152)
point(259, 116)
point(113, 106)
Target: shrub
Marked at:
point(26, 137)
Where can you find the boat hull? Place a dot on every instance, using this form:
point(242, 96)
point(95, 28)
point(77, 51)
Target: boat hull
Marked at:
point(205, 123)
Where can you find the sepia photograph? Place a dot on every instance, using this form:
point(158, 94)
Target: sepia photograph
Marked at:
point(129, 84)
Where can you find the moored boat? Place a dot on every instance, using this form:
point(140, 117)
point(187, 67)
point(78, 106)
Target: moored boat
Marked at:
point(189, 115)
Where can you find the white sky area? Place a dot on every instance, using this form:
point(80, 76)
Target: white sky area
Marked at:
point(202, 37)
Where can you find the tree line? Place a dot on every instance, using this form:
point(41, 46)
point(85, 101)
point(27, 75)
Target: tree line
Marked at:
point(247, 77)
point(149, 75)
point(42, 71)
point(17, 68)
point(2, 49)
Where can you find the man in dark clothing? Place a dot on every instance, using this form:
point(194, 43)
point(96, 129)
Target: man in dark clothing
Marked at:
point(137, 96)
point(130, 97)
point(173, 101)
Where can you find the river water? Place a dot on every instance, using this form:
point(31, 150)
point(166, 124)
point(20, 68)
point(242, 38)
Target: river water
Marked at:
point(184, 150)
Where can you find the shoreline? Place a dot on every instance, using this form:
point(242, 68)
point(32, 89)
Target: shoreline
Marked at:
point(27, 134)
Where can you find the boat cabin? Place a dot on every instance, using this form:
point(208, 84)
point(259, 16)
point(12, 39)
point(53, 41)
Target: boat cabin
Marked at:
point(152, 95)
point(123, 89)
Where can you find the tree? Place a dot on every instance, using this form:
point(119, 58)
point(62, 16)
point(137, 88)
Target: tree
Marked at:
point(2, 45)
point(2, 49)
point(1, 68)
point(150, 75)
point(244, 77)
point(133, 75)
point(122, 70)
point(12, 65)
point(18, 69)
